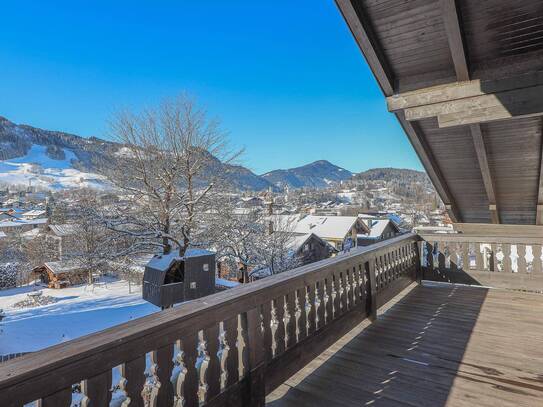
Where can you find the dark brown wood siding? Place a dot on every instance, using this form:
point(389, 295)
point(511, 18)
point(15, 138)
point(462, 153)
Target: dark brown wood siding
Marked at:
point(412, 36)
point(454, 151)
point(516, 180)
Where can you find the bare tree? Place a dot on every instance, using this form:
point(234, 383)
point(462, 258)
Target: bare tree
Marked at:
point(40, 250)
point(94, 245)
point(13, 264)
point(167, 167)
point(276, 248)
point(251, 239)
point(235, 234)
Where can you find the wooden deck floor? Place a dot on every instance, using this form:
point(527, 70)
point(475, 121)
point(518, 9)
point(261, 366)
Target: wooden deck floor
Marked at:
point(438, 345)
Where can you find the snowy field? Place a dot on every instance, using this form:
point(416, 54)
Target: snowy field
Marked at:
point(78, 311)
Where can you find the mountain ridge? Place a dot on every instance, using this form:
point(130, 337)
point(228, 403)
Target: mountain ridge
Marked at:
point(318, 174)
point(56, 159)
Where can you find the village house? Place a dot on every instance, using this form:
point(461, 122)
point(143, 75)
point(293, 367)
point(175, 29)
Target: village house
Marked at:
point(22, 225)
point(340, 231)
point(33, 214)
point(380, 229)
point(252, 202)
point(10, 213)
point(310, 248)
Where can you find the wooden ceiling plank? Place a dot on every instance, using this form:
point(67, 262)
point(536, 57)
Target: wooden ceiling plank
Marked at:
point(362, 32)
point(429, 163)
point(455, 38)
point(366, 39)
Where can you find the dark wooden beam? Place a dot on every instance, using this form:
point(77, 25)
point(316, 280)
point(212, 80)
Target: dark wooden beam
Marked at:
point(429, 163)
point(462, 90)
point(480, 149)
point(539, 213)
point(361, 29)
point(453, 29)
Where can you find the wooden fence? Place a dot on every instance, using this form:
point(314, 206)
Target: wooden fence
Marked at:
point(230, 348)
point(492, 260)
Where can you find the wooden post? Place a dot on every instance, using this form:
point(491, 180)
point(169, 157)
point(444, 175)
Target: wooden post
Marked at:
point(371, 289)
point(419, 254)
point(256, 370)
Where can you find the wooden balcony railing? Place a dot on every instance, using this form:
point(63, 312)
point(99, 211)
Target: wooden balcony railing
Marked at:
point(230, 348)
point(502, 256)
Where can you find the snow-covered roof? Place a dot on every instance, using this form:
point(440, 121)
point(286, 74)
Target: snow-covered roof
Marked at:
point(378, 227)
point(23, 222)
point(31, 234)
point(326, 227)
point(33, 213)
point(164, 261)
point(65, 229)
point(61, 267)
point(16, 210)
point(299, 240)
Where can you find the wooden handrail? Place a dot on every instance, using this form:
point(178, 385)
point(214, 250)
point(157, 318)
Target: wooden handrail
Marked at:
point(479, 238)
point(49, 374)
point(511, 262)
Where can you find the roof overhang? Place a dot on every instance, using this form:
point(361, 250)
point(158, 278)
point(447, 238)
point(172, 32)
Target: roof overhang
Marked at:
point(465, 81)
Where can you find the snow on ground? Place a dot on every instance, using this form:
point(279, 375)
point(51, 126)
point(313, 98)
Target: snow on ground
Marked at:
point(37, 155)
point(79, 311)
point(226, 283)
point(40, 170)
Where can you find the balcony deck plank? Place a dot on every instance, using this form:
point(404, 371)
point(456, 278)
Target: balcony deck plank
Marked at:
point(436, 345)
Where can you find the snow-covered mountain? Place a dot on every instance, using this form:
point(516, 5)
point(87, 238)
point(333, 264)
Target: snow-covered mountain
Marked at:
point(56, 160)
point(49, 159)
point(318, 174)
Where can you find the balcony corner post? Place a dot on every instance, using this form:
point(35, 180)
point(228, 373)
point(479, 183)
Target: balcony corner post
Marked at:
point(256, 396)
point(419, 271)
point(371, 290)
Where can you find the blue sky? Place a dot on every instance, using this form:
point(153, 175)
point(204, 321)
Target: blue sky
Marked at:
point(285, 77)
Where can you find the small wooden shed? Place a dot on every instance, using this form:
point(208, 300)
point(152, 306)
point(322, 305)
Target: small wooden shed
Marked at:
point(60, 274)
point(170, 278)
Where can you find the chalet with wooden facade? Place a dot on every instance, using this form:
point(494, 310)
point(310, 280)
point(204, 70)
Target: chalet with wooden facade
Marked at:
point(380, 229)
point(373, 327)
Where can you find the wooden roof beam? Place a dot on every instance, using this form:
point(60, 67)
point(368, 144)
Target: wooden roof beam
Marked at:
point(474, 101)
point(480, 149)
point(455, 38)
point(462, 90)
point(361, 30)
point(539, 213)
